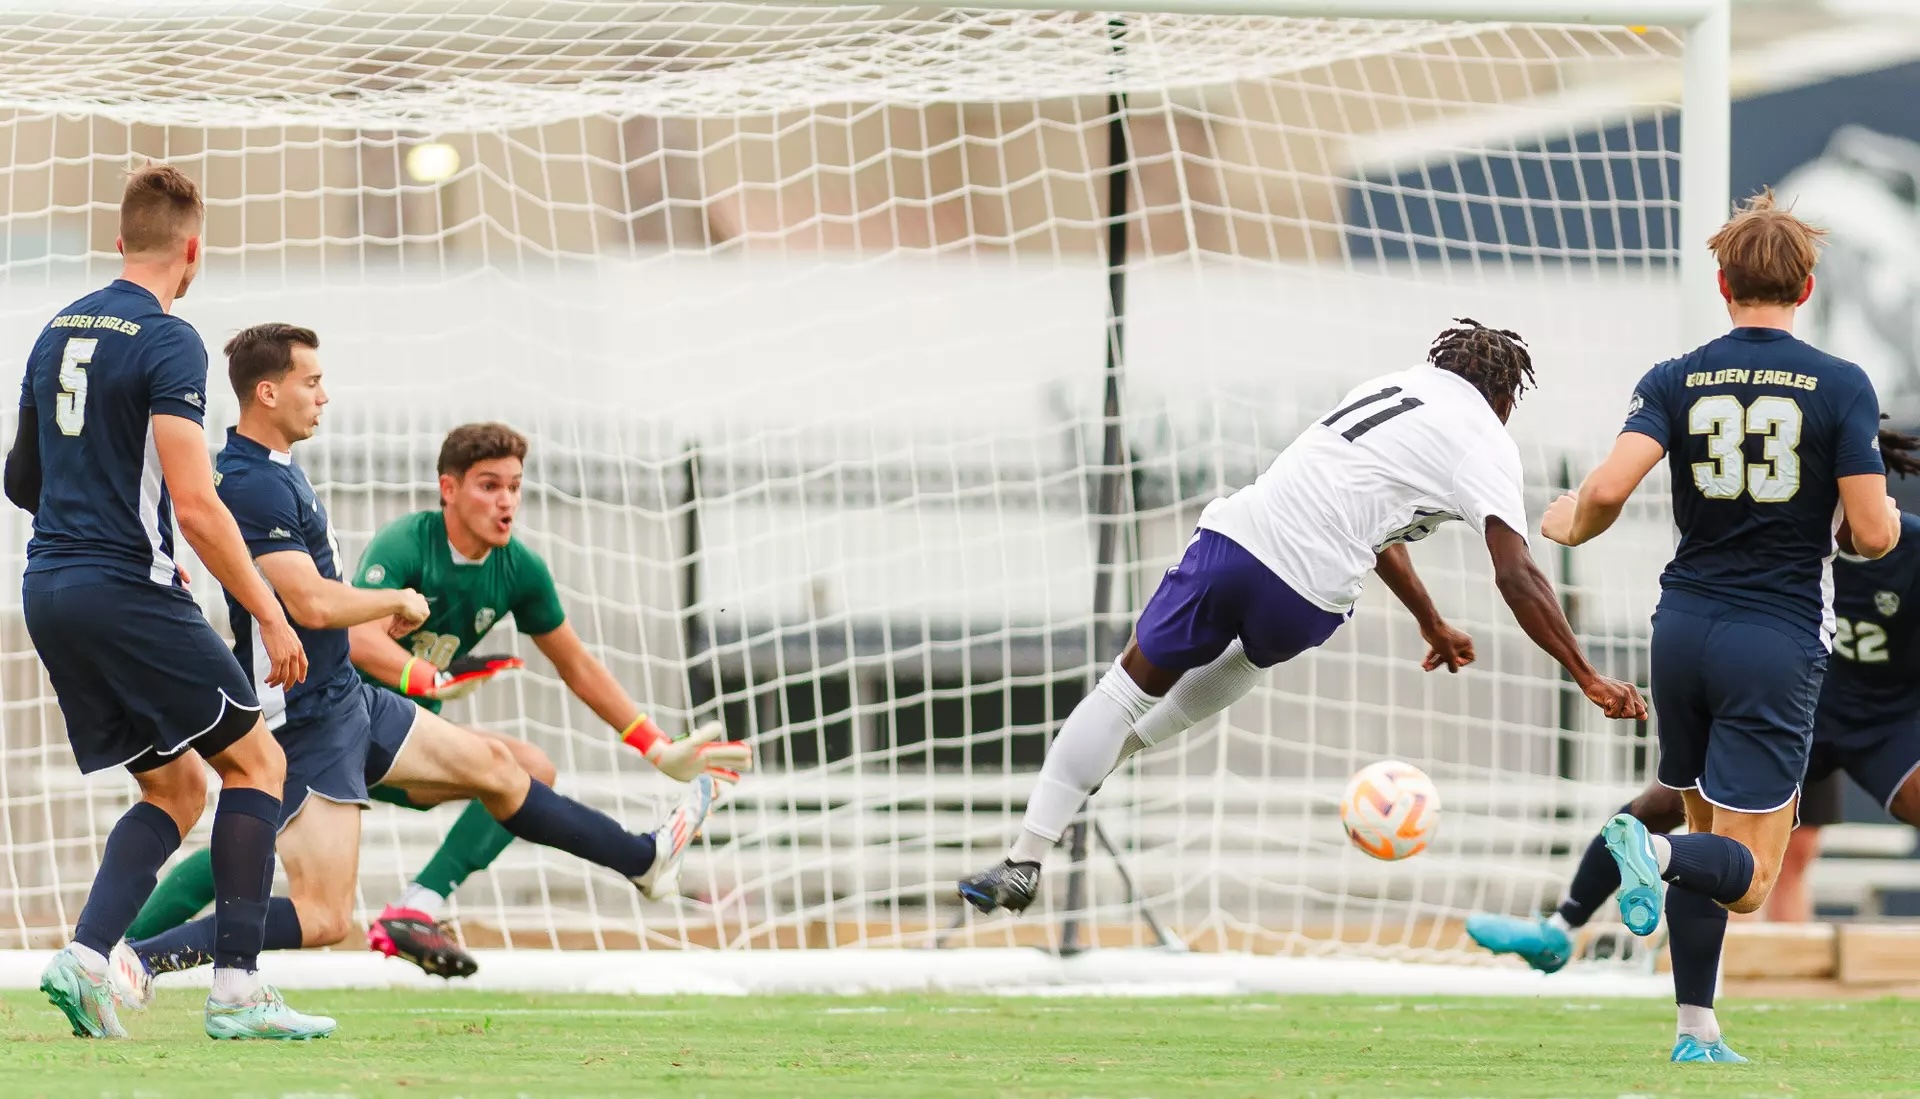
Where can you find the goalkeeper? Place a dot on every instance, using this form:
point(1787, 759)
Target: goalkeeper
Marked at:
point(464, 559)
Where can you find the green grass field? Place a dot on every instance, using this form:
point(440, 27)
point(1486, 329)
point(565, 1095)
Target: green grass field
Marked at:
point(459, 1043)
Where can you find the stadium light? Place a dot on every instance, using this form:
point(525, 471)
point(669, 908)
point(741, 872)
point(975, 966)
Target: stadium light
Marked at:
point(432, 162)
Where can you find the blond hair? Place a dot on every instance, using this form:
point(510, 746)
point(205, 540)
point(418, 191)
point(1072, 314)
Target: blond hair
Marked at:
point(1765, 253)
point(159, 210)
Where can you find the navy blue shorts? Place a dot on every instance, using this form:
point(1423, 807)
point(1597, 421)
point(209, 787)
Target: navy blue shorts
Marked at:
point(1734, 694)
point(139, 672)
point(352, 748)
point(1878, 756)
point(1219, 592)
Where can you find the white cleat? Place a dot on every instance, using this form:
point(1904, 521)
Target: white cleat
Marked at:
point(672, 838)
point(127, 974)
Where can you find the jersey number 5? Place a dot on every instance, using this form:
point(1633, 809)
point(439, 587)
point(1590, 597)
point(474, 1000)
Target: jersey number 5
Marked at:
point(1726, 423)
point(1354, 431)
point(70, 407)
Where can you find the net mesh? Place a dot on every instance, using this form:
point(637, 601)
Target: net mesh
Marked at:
point(808, 312)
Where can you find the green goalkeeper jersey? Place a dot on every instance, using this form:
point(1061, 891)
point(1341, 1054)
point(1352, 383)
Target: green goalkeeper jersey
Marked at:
point(464, 598)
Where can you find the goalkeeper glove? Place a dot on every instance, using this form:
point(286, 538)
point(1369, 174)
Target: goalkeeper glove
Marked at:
point(701, 752)
point(458, 680)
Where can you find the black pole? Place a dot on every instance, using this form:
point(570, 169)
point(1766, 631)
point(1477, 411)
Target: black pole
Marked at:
point(1109, 495)
point(690, 584)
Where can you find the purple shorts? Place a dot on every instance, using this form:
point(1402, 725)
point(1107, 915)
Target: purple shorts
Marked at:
point(1219, 592)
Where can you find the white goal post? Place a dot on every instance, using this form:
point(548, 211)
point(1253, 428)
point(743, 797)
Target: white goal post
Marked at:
point(876, 359)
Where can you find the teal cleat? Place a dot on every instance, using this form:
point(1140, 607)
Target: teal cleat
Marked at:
point(1538, 943)
point(1689, 1048)
point(1640, 894)
point(265, 1016)
point(86, 1000)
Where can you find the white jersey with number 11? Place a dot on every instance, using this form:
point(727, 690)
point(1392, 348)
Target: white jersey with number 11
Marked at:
point(1395, 458)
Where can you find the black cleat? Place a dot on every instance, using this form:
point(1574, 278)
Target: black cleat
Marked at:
point(1009, 885)
point(407, 933)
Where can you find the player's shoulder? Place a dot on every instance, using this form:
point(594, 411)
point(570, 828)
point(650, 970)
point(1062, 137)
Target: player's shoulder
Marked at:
point(412, 525)
point(522, 557)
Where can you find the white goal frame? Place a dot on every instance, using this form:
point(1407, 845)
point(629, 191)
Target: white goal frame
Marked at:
point(1703, 200)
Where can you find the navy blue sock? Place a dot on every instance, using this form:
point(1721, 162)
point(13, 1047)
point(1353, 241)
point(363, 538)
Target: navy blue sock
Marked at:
point(1716, 866)
point(244, 825)
point(139, 844)
point(1596, 879)
point(551, 820)
point(1696, 929)
point(191, 944)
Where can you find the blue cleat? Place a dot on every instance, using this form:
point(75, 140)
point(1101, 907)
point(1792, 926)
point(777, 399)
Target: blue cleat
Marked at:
point(1538, 943)
point(1689, 1048)
point(1640, 893)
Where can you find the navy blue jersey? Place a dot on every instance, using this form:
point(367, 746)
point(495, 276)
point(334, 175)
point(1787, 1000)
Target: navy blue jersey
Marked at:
point(1758, 429)
point(1874, 677)
point(97, 375)
point(278, 512)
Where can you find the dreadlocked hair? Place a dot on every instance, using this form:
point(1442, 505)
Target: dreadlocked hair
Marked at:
point(1901, 452)
point(1494, 360)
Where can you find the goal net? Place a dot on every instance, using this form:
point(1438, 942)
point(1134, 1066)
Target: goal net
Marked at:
point(876, 361)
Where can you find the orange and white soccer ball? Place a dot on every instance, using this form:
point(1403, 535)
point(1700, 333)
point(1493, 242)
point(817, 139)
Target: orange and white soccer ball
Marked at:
point(1390, 810)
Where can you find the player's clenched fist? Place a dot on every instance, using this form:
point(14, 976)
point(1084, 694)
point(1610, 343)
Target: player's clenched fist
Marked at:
point(409, 611)
point(700, 752)
point(1615, 698)
point(1557, 524)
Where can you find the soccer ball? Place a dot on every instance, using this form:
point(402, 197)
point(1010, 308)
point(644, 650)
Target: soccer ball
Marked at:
point(1390, 810)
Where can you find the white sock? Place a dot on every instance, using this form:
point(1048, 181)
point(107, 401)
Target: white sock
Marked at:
point(1559, 921)
point(1198, 695)
point(1662, 855)
point(419, 897)
point(233, 986)
point(94, 962)
point(1699, 1022)
point(1080, 758)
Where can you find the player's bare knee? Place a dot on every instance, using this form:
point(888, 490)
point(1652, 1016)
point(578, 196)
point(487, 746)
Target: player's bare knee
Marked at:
point(1905, 805)
point(500, 771)
point(255, 761)
point(533, 761)
point(324, 921)
point(178, 790)
point(1659, 809)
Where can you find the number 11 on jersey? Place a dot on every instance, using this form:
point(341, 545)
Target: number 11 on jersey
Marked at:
point(1354, 431)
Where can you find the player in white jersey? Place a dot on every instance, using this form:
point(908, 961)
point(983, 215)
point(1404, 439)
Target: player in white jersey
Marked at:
point(1275, 569)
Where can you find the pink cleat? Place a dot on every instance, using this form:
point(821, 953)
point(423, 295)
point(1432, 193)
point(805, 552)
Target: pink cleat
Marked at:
point(412, 934)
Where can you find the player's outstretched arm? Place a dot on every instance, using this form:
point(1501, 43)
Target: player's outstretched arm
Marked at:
point(1872, 524)
point(322, 604)
point(1445, 645)
point(1529, 594)
point(590, 681)
point(210, 529)
point(1581, 517)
